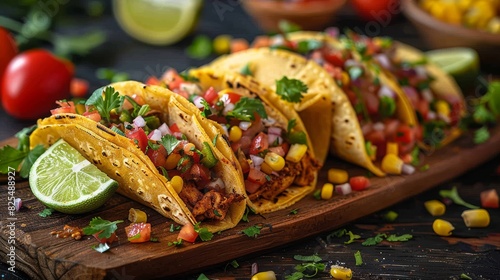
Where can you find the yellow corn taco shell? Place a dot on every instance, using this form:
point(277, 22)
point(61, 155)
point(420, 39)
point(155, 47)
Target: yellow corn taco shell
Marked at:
point(334, 117)
point(276, 109)
point(154, 190)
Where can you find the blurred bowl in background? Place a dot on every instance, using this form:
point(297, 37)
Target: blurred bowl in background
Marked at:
point(308, 14)
point(439, 34)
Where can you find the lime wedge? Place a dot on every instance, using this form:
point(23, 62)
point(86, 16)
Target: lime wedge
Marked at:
point(157, 22)
point(62, 179)
point(461, 63)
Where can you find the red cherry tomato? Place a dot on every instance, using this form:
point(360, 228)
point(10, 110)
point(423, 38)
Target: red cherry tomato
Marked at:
point(379, 10)
point(259, 144)
point(33, 81)
point(188, 233)
point(359, 183)
point(158, 156)
point(210, 95)
point(138, 232)
point(489, 198)
point(8, 49)
point(79, 87)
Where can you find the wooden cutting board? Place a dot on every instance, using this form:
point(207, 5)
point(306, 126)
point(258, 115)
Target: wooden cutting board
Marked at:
point(43, 256)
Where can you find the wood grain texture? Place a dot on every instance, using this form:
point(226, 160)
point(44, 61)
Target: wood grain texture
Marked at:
point(43, 256)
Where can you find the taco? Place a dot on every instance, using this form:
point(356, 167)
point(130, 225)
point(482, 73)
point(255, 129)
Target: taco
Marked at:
point(436, 97)
point(157, 150)
point(265, 134)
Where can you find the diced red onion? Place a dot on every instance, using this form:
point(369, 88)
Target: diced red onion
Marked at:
point(164, 129)
point(410, 92)
point(198, 102)
point(190, 88)
point(277, 40)
point(274, 130)
point(245, 125)
point(332, 31)
point(155, 135)
point(255, 269)
point(366, 128)
point(383, 60)
point(18, 203)
point(444, 118)
point(427, 95)
point(225, 99)
point(139, 121)
point(257, 161)
point(431, 115)
point(351, 63)
point(379, 126)
point(343, 189)
point(421, 72)
point(386, 91)
point(273, 138)
point(407, 169)
point(217, 185)
point(228, 108)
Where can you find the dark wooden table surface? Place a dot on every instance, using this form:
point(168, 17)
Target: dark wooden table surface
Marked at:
point(472, 252)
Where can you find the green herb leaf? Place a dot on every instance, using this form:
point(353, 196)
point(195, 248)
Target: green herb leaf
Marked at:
point(317, 194)
point(46, 212)
point(23, 137)
point(352, 237)
point(252, 231)
point(246, 108)
point(415, 156)
point(246, 70)
point(395, 238)
point(30, 159)
point(294, 211)
point(104, 104)
point(465, 276)
point(493, 97)
point(307, 46)
point(310, 269)
point(290, 89)
point(481, 135)
point(111, 75)
point(297, 137)
point(387, 106)
point(357, 257)
point(312, 258)
point(370, 149)
point(101, 247)
point(104, 227)
point(174, 227)
point(481, 115)
point(209, 159)
point(207, 111)
point(372, 241)
point(66, 46)
point(202, 277)
point(200, 48)
point(390, 216)
point(295, 276)
point(10, 157)
point(425, 167)
point(175, 243)
point(169, 142)
point(355, 72)
point(203, 232)
point(455, 197)
point(233, 263)
point(245, 215)
point(286, 26)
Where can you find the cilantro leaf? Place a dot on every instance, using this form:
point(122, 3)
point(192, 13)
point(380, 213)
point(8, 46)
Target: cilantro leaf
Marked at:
point(395, 238)
point(30, 159)
point(286, 26)
point(203, 232)
point(295, 276)
point(252, 231)
point(46, 212)
point(23, 137)
point(374, 240)
point(245, 215)
point(387, 106)
point(10, 157)
point(104, 104)
point(493, 97)
point(246, 108)
point(352, 237)
point(290, 89)
point(415, 156)
point(357, 257)
point(175, 243)
point(202, 277)
point(246, 70)
point(481, 115)
point(207, 111)
point(200, 48)
point(455, 197)
point(311, 268)
point(312, 258)
point(169, 142)
point(481, 135)
point(307, 46)
point(104, 227)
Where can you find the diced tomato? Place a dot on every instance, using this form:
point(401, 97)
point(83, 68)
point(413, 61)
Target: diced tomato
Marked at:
point(261, 41)
point(238, 44)
point(152, 80)
point(256, 176)
point(334, 72)
point(412, 95)
point(233, 97)
point(65, 107)
point(423, 108)
point(137, 98)
point(174, 128)
point(78, 87)
point(489, 198)
point(199, 172)
point(158, 156)
point(359, 183)
point(172, 79)
point(210, 95)
point(93, 115)
point(112, 238)
point(251, 187)
point(259, 144)
point(138, 232)
point(188, 233)
point(371, 102)
point(334, 57)
point(404, 134)
point(377, 138)
point(140, 138)
point(196, 157)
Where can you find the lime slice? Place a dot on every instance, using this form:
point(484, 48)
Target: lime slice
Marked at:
point(157, 22)
point(461, 63)
point(62, 179)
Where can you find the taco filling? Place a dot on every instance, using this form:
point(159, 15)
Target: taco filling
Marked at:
point(272, 155)
point(188, 167)
point(437, 113)
point(375, 103)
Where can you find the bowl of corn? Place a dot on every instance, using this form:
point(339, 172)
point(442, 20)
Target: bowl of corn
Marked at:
point(458, 23)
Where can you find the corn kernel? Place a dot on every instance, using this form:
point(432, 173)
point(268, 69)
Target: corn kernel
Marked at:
point(476, 218)
point(337, 176)
point(264, 275)
point(442, 227)
point(137, 216)
point(189, 149)
point(177, 183)
point(296, 152)
point(327, 191)
point(392, 164)
point(264, 167)
point(443, 108)
point(275, 161)
point(392, 148)
point(172, 161)
point(345, 79)
point(221, 44)
point(435, 207)
point(340, 272)
point(235, 133)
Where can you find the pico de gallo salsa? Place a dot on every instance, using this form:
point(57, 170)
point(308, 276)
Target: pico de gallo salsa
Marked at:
point(272, 156)
point(189, 168)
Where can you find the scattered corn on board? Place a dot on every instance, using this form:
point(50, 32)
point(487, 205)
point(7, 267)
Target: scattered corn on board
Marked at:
point(43, 256)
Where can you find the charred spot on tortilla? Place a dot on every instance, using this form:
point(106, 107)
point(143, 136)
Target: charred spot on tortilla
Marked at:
point(346, 120)
point(213, 76)
point(229, 84)
point(118, 174)
point(105, 129)
point(104, 154)
point(293, 66)
point(166, 208)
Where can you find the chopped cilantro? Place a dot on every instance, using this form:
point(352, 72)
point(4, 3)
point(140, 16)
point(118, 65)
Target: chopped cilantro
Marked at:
point(252, 231)
point(287, 26)
point(481, 135)
point(294, 211)
point(246, 108)
point(245, 215)
point(104, 104)
point(174, 227)
point(169, 142)
point(396, 238)
point(307, 46)
point(455, 197)
point(390, 216)
point(290, 89)
point(312, 258)
point(415, 156)
point(310, 270)
point(317, 194)
point(203, 232)
point(46, 212)
point(175, 243)
point(352, 237)
point(374, 240)
point(246, 70)
point(357, 257)
point(202, 277)
point(233, 263)
point(465, 276)
point(425, 167)
point(200, 48)
point(387, 106)
point(104, 227)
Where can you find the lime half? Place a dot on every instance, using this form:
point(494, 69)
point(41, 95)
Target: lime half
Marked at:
point(461, 63)
point(62, 179)
point(157, 22)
